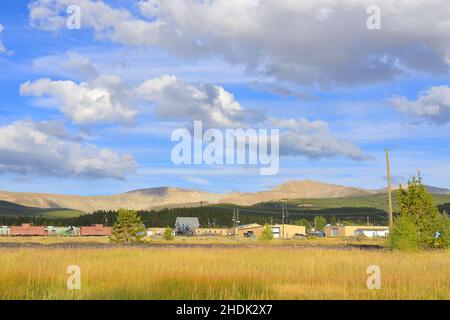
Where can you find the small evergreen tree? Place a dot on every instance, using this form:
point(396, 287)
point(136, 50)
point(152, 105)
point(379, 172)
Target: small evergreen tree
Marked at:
point(128, 227)
point(267, 233)
point(168, 234)
point(320, 222)
point(404, 235)
point(420, 216)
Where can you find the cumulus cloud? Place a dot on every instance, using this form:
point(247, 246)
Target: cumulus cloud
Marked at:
point(308, 42)
point(107, 99)
point(2, 47)
point(432, 105)
point(177, 100)
point(314, 139)
point(103, 99)
point(46, 148)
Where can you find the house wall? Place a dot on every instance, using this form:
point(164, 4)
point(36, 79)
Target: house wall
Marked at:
point(289, 230)
point(256, 231)
point(349, 231)
point(213, 231)
point(329, 231)
point(27, 229)
point(4, 231)
point(97, 230)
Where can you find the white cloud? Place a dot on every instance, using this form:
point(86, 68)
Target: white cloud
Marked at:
point(177, 100)
point(309, 42)
point(2, 48)
point(432, 105)
point(107, 99)
point(314, 139)
point(216, 107)
point(45, 148)
point(103, 99)
point(70, 65)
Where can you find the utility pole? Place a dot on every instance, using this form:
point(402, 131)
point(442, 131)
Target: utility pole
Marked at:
point(388, 170)
point(283, 212)
point(235, 220)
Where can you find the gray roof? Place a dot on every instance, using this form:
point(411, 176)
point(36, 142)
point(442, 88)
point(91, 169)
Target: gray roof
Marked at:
point(187, 221)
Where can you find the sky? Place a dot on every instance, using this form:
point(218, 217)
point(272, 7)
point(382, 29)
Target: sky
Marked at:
point(91, 91)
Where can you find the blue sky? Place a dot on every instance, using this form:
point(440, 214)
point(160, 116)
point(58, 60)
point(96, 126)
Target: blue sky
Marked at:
point(350, 91)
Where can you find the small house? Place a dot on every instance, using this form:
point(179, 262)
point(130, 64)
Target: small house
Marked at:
point(4, 231)
point(186, 225)
point(287, 231)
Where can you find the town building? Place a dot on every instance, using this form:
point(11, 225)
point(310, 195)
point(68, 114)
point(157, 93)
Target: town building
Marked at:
point(214, 232)
point(26, 229)
point(350, 231)
point(96, 230)
point(4, 231)
point(249, 230)
point(186, 225)
point(286, 231)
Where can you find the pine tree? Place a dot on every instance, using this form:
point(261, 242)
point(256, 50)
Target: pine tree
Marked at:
point(267, 233)
point(417, 206)
point(128, 227)
point(320, 222)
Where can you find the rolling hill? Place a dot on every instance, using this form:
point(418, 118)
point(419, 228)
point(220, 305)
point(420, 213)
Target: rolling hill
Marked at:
point(313, 195)
point(157, 198)
point(13, 209)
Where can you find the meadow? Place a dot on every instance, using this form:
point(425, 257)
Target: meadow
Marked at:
point(222, 273)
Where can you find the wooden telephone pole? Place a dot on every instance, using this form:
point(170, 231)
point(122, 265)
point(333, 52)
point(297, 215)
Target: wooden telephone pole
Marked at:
point(388, 169)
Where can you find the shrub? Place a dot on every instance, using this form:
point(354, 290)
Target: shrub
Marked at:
point(267, 233)
point(320, 222)
point(168, 234)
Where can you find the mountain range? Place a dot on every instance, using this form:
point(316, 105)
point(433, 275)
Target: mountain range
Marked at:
point(170, 197)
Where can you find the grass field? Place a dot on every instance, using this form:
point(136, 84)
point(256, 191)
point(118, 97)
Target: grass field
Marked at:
point(230, 273)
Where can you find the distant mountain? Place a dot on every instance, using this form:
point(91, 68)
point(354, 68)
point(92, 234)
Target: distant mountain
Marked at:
point(437, 190)
point(430, 189)
point(295, 190)
point(144, 199)
point(157, 198)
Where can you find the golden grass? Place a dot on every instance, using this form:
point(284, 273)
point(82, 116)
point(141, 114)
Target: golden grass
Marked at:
point(230, 273)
